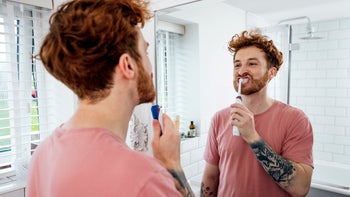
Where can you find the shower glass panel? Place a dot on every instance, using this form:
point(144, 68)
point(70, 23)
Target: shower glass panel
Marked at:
point(279, 86)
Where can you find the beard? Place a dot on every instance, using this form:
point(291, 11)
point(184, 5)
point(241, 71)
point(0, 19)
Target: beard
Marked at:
point(256, 84)
point(145, 87)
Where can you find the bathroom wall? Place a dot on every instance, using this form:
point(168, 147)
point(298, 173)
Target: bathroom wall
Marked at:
point(320, 85)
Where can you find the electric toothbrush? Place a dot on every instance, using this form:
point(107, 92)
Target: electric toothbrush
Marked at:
point(235, 130)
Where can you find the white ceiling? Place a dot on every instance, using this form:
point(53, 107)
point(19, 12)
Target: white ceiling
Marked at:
point(275, 10)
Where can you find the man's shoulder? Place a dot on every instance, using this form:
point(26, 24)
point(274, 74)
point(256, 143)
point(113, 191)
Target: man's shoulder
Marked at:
point(288, 108)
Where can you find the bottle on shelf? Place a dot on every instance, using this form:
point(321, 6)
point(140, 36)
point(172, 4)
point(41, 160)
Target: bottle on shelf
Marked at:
point(192, 130)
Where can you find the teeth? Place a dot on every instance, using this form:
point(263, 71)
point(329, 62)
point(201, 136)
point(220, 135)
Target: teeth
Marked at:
point(243, 80)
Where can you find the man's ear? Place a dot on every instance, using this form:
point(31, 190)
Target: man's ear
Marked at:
point(272, 73)
point(127, 66)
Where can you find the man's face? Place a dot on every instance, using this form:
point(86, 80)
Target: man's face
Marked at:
point(250, 63)
point(145, 85)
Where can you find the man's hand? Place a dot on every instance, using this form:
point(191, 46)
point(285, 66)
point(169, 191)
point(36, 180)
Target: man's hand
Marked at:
point(166, 147)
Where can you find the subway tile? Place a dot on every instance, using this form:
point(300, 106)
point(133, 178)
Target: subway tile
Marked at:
point(324, 120)
point(333, 92)
point(326, 83)
point(343, 83)
point(337, 73)
point(308, 46)
point(304, 65)
point(339, 54)
point(191, 170)
point(317, 147)
point(299, 92)
point(185, 159)
point(326, 45)
point(344, 63)
point(319, 110)
point(334, 130)
point(341, 158)
point(339, 34)
point(306, 100)
point(327, 64)
point(299, 29)
point(347, 131)
point(197, 155)
point(342, 140)
point(347, 150)
point(201, 166)
point(320, 155)
point(344, 23)
point(202, 140)
point(308, 82)
point(344, 43)
point(316, 92)
point(324, 138)
point(299, 55)
point(334, 148)
point(317, 55)
point(328, 25)
point(329, 101)
point(188, 145)
point(342, 102)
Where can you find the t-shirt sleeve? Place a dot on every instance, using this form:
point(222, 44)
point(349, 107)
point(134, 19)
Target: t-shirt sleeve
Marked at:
point(160, 184)
point(299, 141)
point(211, 154)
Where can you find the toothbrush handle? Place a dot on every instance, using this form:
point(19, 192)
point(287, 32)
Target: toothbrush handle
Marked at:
point(235, 131)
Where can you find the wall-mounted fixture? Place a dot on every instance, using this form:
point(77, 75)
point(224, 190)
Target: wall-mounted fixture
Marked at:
point(309, 29)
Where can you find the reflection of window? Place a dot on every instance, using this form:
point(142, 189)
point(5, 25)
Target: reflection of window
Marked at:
point(169, 76)
point(24, 94)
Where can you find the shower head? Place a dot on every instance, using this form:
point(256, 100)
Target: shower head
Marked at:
point(310, 30)
point(311, 37)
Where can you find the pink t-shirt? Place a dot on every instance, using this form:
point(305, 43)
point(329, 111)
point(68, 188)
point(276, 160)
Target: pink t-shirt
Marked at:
point(94, 162)
point(286, 129)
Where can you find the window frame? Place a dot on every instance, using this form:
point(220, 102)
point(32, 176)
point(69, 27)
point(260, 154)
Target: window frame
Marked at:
point(24, 27)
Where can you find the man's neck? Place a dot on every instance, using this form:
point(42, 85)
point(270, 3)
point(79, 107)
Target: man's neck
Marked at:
point(257, 102)
point(102, 115)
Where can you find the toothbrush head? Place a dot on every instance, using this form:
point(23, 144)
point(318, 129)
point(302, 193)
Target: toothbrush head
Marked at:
point(155, 111)
point(243, 80)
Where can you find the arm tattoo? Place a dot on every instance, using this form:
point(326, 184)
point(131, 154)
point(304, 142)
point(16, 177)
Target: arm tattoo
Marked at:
point(279, 168)
point(206, 191)
point(181, 183)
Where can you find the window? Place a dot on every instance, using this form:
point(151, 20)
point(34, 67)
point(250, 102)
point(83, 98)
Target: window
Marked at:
point(167, 51)
point(178, 72)
point(25, 93)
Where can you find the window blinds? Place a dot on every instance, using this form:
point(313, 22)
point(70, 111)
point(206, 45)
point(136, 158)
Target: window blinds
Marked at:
point(25, 93)
point(171, 72)
point(41, 3)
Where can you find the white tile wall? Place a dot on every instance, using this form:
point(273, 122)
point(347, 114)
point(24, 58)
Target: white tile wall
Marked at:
point(320, 86)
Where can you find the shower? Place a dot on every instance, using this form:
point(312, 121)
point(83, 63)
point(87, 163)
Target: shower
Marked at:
point(309, 29)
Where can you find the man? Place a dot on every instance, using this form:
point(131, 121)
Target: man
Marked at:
point(272, 156)
point(96, 48)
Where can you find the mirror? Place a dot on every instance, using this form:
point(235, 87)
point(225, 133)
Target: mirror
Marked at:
point(195, 71)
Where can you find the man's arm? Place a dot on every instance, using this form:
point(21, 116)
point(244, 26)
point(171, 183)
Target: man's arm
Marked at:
point(181, 182)
point(293, 177)
point(166, 148)
point(210, 180)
